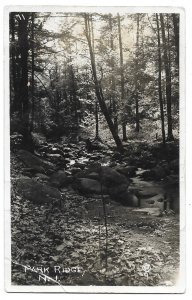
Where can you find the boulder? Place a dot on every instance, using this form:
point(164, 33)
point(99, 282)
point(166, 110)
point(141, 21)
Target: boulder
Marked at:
point(156, 173)
point(156, 198)
point(68, 155)
point(56, 158)
point(80, 165)
point(93, 145)
point(60, 179)
point(78, 173)
point(94, 167)
point(128, 171)
point(113, 183)
point(89, 186)
point(66, 149)
point(117, 156)
point(147, 193)
point(56, 150)
point(115, 190)
point(37, 164)
point(111, 177)
point(126, 198)
point(75, 171)
point(93, 175)
point(37, 192)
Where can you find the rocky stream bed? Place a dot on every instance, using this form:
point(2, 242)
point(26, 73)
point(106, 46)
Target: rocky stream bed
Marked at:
point(58, 217)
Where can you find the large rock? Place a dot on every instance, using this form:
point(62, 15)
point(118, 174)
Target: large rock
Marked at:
point(56, 150)
point(66, 149)
point(93, 175)
point(90, 186)
point(56, 158)
point(111, 177)
point(37, 164)
point(157, 198)
point(113, 183)
point(80, 165)
point(115, 190)
point(125, 197)
point(37, 192)
point(128, 171)
point(147, 193)
point(60, 179)
point(156, 173)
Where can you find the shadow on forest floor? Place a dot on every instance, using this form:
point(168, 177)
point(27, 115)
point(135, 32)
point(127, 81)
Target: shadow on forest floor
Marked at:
point(73, 238)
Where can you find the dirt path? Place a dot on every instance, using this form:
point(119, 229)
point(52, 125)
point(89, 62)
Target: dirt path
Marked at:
point(76, 237)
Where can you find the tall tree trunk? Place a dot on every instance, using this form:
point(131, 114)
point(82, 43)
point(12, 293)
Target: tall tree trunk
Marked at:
point(168, 44)
point(96, 100)
point(13, 81)
point(73, 92)
point(159, 81)
point(136, 79)
point(98, 89)
point(96, 121)
point(122, 78)
point(175, 18)
point(24, 47)
point(74, 96)
point(32, 71)
point(114, 104)
point(168, 81)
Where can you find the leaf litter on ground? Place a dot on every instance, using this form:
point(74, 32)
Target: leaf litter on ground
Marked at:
point(74, 237)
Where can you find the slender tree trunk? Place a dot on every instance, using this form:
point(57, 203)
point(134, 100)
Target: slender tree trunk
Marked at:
point(168, 81)
point(73, 92)
point(98, 89)
point(24, 47)
point(168, 44)
point(96, 121)
point(159, 82)
point(96, 100)
point(13, 81)
point(74, 96)
point(136, 79)
point(32, 71)
point(122, 78)
point(175, 19)
point(114, 104)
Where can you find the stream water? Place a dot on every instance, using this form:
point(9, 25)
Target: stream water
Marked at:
point(153, 194)
point(159, 194)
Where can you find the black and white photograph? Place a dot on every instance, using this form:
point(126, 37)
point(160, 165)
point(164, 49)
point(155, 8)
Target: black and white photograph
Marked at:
point(96, 167)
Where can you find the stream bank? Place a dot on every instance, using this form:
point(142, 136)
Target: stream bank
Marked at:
point(75, 231)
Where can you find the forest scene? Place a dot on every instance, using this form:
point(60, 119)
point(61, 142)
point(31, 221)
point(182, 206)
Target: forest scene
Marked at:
point(94, 143)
